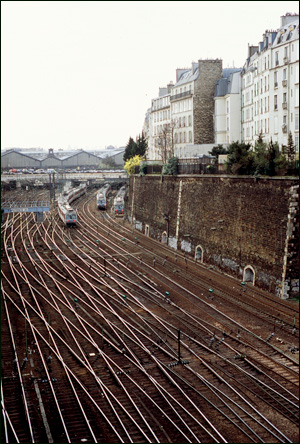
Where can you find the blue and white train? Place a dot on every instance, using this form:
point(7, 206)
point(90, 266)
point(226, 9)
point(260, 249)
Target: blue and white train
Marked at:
point(66, 213)
point(102, 196)
point(119, 201)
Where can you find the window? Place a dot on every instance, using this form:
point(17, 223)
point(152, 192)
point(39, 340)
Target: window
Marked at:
point(190, 120)
point(284, 74)
point(275, 102)
point(276, 58)
point(284, 97)
point(297, 143)
point(275, 79)
point(190, 136)
point(296, 122)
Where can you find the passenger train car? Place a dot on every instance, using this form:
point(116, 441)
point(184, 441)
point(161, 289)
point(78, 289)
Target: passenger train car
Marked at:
point(119, 201)
point(102, 196)
point(66, 213)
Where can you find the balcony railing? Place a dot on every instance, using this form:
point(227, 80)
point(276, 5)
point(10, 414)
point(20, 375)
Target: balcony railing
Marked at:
point(181, 95)
point(284, 82)
point(284, 105)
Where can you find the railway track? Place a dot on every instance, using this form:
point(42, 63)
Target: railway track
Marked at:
point(120, 348)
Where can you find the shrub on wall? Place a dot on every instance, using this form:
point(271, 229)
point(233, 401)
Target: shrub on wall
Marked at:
point(171, 168)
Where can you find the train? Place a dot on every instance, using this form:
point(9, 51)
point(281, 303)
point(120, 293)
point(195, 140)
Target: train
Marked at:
point(102, 196)
point(67, 214)
point(119, 201)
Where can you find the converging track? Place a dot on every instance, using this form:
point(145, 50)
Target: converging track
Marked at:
point(110, 336)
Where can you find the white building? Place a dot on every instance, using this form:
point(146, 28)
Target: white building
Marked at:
point(270, 86)
point(182, 107)
point(284, 88)
point(227, 118)
point(159, 117)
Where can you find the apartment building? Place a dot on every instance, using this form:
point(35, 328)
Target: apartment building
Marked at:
point(184, 113)
point(270, 86)
point(210, 105)
point(158, 121)
point(227, 118)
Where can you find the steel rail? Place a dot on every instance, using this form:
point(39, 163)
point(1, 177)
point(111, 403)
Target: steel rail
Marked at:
point(18, 291)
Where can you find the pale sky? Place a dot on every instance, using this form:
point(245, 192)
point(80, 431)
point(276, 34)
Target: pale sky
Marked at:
point(81, 74)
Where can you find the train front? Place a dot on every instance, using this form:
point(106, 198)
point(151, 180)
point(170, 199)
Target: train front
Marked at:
point(71, 218)
point(101, 202)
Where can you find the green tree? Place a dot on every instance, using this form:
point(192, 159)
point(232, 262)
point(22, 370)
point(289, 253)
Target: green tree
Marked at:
point(267, 158)
point(290, 151)
point(260, 156)
point(240, 159)
point(130, 150)
point(141, 145)
point(131, 163)
point(171, 167)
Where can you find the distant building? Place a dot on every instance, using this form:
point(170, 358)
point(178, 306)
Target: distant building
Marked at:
point(184, 113)
point(60, 159)
point(210, 105)
point(270, 86)
point(159, 118)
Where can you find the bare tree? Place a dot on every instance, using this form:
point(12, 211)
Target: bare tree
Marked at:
point(165, 141)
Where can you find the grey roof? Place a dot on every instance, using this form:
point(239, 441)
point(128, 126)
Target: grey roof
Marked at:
point(221, 88)
point(226, 72)
point(187, 76)
point(287, 32)
point(228, 84)
point(63, 155)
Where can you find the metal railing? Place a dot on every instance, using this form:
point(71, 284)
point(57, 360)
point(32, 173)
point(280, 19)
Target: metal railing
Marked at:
point(179, 96)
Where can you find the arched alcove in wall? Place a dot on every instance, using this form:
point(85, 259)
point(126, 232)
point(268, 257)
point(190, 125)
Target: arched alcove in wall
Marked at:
point(249, 274)
point(199, 253)
point(164, 237)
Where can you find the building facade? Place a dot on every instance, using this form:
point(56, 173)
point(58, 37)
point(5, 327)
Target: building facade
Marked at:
point(211, 105)
point(270, 86)
point(184, 113)
point(159, 121)
point(227, 123)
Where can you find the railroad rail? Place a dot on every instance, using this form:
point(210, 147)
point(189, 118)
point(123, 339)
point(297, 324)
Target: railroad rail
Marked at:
point(105, 342)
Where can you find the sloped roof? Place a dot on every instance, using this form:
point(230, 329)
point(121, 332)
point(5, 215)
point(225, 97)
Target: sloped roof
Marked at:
point(63, 155)
point(187, 76)
point(287, 32)
point(228, 84)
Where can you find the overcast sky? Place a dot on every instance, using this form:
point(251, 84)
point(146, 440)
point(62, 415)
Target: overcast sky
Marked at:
point(81, 74)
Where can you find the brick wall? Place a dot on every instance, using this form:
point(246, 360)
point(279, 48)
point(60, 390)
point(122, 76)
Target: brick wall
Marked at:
point(203, 109)
point(236, 221)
